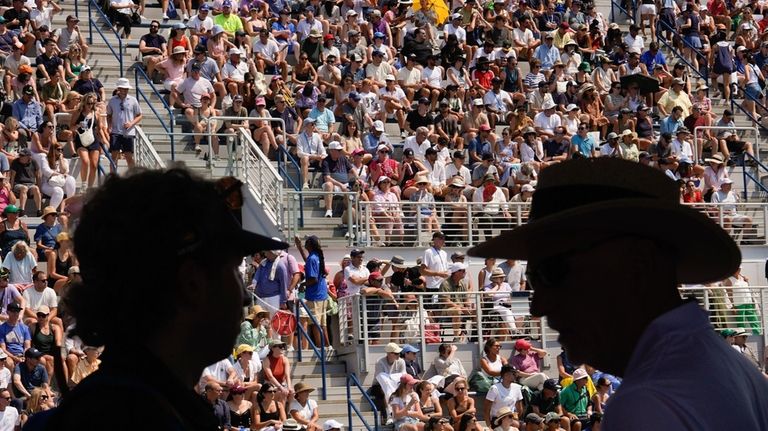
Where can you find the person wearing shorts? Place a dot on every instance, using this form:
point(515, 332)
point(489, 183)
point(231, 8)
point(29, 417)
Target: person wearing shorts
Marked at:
point(123, 114)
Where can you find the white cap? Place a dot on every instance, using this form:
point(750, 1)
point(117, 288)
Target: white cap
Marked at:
point(478, 102)
point(571, 107)
point(527, 188)
point(332, 424)
point(548, 105)
point(726, 181)
point(390, 77)
point(456, 267)
point(456, 16)
point(378, 126)
point(235, 51)
point(335, 145)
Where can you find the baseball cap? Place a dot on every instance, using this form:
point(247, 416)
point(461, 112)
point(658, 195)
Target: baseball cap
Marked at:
point(335, 145)
point(355, 96)
point(332, 424)
point(378, 126)
point(14, 306)
point(33, 353)
point(409, 349)
point(356, 252)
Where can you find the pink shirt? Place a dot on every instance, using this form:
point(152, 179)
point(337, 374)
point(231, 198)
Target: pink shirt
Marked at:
point(526, 363)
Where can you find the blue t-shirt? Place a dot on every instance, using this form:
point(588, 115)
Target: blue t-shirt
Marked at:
point(323, 120)
point(651, 60)
point(14, 337)
point(47, 235)
point(31, 379)
point(319, 290)
point(584, 145)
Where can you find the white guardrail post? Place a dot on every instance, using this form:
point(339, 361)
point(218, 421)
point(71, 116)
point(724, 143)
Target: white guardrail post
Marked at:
point(146, 156)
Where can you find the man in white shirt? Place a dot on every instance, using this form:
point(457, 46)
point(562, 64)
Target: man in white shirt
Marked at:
point(498, 103)
point(634, 40)
point(200, 25)
point(267, 53)
point(409, 78)
point(546, 121)
point(221, 372)
point(308, 24)
point(432, 79)
point(356, 274)
point(9, 416)
point(434, 268)
point(681, 148)
point(191, 90)
point(309, 149)
point(454, 27)
point(418, 143)
point(233, 72)
point(729, 200)
point(515, 271)
point(523, 40)
point(436, 170)
point(40, 299)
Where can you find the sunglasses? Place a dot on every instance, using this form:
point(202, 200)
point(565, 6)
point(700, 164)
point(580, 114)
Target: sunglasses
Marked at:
point(272, 391)
point(461, 389)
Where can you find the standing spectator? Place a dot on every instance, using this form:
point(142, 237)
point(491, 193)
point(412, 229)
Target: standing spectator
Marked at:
point(15, 338)
point(271, 280)
point(434, 268)
point(123, 115)
point(316, 293)
point(89, 134)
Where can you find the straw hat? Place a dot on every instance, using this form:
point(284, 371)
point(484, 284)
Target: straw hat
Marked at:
point(301, 387)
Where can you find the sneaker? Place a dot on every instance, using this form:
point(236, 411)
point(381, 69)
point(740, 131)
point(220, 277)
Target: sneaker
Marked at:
point(198, 150)
point(305, 186)
point(403, 134)
point(185, 17)
point(291, 349)
point(328, 213)
point(165, 17)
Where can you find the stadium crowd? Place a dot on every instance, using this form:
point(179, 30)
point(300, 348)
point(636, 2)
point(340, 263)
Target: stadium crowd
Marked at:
point(474, 126)
point(484, 96)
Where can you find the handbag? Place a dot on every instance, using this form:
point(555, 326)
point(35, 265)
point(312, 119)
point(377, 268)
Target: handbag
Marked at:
point(479, 382)
point(284, 323)
point(57, 180)
point(333, 307)
point(432, 333)
point(86, 137)
point(171, 12)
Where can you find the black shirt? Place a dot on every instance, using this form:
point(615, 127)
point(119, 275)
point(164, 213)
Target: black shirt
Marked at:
point(51, 64)
point(24, 174)
point(338, 169)
point(153, 41)
point(12, 14)
point(545, 405)
point(416, 120)
point(421, 49)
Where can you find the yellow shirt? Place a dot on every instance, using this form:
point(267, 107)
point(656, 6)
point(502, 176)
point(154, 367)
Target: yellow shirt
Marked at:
point(230, 24)
point(670, 99)
point(560, 40)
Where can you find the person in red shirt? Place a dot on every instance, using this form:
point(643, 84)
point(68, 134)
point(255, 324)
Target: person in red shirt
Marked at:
point(386, 166)
point(482, 76)
point(719, 12)
point(691, 195)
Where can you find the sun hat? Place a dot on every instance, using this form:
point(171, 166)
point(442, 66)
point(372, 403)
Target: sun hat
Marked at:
point(393, 348)
point(716, 158)
point(501, 414)
point(614, 189)
point(301, 387)
point(579, 373)
point(243, 348)
point(496, 273)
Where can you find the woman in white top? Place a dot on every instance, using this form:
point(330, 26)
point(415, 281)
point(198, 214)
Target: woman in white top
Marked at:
point(303, 409)
point(491, 362)
point(247, 367)
point(484, 275)
point(501, 294)
point(56, 179)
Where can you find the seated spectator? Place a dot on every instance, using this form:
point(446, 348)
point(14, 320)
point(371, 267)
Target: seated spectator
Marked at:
point(172, 69)
point(545, 401)
point(575, 401)
point(309, 150)
point(505, 421)
point(30, 374)
point(267, 410)
point(86, 365)
point(9, 413)
point(25, 177)
point(86, 83)
point(526, 359)
point(412, 365)
point(601, 395)
point(505, 394)
point(277, 370)
point(46, 336)
point(553, 420)
point(10, 294)
point(153, 48)
point(406, 409)
point(425, 210)
point(45, 234)
point(221, 372)
point(212, 395)
point(248, 369)
point(325, 121)
point(729, 200)
point(39, 296)
point(386, 211)
point(53, 93)
point(21, 263)
point(338, 174)
point(239, 408)
point(387, 375)
point(29, 113)
point(38, 402)
point(429, 402)
point(303, 409)
point(494, 205)
point(55, 178)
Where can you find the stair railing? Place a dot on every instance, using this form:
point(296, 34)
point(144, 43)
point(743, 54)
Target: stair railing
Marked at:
point(749, 178)
point(261, 178)
point(320, 351)
point(352, 407)
point(677, 53)
point(93, 23)
point(167, 125)
point(757, 103)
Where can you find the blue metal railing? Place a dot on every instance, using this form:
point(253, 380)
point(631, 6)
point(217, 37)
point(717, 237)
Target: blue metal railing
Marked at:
point(351, 406)
point(320, 352)
point(615, 5)
point(93, 23)
point(140, 93)
point(748, 175)
point(283, 159)
point(677, 53)
point(112, 163)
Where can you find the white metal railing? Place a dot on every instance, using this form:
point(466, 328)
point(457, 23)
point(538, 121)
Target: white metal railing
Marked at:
point(412, 223)
point(144, 153)
point(424, 318)
point(261, 178)
point(753, 129)
point(297, 207)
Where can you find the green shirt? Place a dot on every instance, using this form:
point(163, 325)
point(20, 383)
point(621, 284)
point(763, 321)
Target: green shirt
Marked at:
point(230, 24)
point(574, 400)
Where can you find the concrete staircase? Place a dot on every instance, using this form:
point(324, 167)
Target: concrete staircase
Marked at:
point(335, 406)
